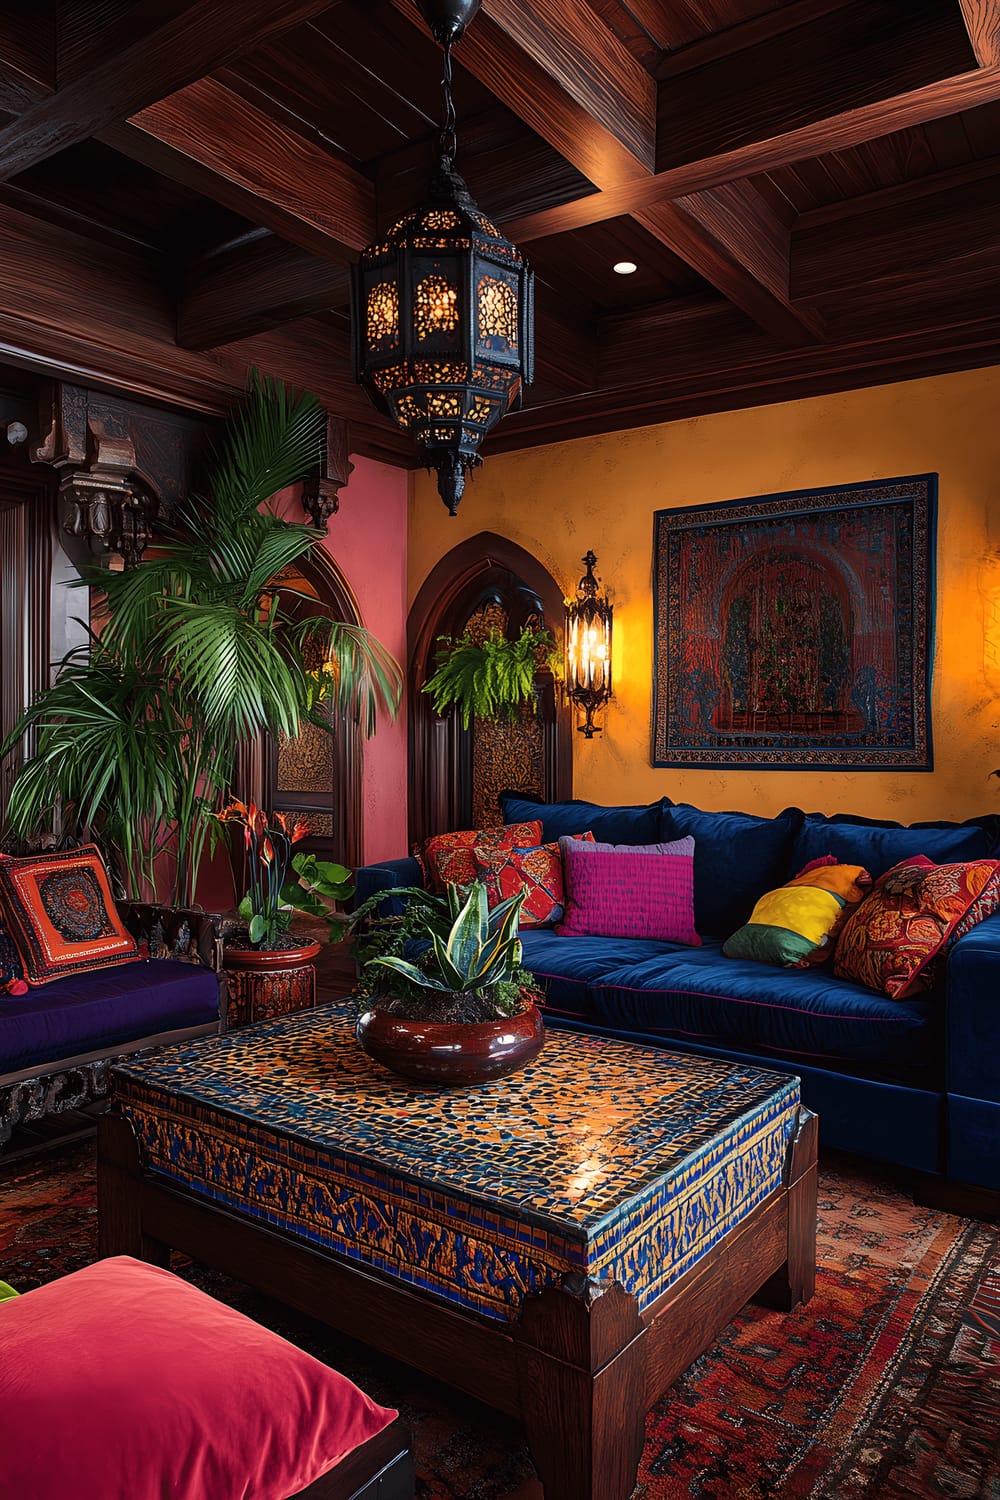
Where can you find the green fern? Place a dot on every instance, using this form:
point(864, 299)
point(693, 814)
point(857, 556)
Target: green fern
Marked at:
point(490, 679)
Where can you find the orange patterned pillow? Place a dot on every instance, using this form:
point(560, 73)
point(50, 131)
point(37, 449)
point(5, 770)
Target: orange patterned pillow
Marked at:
point(891, 940)
point(537, 871)
point(447, 857)
point(62, 915)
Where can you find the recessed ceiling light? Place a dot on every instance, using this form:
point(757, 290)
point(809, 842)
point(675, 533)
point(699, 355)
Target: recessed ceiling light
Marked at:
point(625, 267)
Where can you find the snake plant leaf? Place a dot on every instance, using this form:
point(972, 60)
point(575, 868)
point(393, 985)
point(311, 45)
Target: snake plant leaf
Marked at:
point(503, 937)
point(411, 972)
point(454, 977)
point(471, 928)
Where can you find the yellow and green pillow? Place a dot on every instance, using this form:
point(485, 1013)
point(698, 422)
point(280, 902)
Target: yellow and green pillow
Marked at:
point(797, 925)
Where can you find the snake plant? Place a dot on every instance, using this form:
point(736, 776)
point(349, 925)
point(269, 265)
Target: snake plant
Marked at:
point(481, 949)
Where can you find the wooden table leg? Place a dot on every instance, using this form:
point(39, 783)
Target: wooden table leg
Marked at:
point(119, 1195)
point(795, 1281)
point(582, 1377)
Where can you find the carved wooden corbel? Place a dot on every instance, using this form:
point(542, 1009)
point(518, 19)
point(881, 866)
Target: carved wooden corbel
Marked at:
point(321, 491)
point(104, 505)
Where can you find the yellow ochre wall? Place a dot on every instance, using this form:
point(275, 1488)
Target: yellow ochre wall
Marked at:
point(601, 492)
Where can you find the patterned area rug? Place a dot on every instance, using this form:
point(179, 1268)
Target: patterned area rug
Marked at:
point(887, 1385)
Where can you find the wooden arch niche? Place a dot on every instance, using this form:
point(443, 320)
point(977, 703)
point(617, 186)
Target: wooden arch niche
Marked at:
point(315, 776)
point(455, 774)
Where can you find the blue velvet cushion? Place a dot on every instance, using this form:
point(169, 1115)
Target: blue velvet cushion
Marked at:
point(567, 967)
point(737, 857)
point(880, 845)
point(973, 1047)
point(389, 876)
point(697, 996)
point(611, 825)
point(96, 1011)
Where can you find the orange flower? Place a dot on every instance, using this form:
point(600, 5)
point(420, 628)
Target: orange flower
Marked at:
point(300, 830)
point(267, 851)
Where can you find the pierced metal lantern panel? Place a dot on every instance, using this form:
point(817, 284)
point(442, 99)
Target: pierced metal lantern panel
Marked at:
point(443, 328)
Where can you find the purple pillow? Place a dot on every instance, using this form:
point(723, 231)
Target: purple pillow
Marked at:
point(683, 846)
point(630, 891)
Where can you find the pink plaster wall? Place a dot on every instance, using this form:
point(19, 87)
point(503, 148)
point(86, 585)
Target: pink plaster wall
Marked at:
point(367, 540)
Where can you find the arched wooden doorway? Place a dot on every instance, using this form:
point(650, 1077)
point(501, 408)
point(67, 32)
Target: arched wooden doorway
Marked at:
point(315, 776)
point(455, 774)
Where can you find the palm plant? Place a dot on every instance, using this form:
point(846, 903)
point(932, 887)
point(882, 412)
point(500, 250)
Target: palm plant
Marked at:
point(198, 653)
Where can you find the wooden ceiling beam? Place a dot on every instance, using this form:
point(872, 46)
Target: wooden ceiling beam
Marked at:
point(732, 238)
point(565, 73)
point(254, 287)
point(864, 51)
point(27, 55)
point(699, 231)
point(982, 22)
point(210, 139)
point(839, 132)
point(881, 241)
point(701, 46)
point(174, 52)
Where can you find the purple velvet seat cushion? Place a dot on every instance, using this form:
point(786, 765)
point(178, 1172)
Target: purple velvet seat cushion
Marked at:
point(91, 1012)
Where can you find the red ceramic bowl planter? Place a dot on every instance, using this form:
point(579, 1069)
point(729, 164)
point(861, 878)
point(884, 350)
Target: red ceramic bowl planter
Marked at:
point(438, 1052)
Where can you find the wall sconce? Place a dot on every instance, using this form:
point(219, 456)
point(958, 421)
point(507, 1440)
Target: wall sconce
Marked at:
point(588, 649)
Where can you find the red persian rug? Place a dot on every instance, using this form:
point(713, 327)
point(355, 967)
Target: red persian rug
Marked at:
point(887, 1385)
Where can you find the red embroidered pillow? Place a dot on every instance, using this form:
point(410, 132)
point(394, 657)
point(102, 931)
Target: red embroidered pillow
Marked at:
point(61, 914)
point(891, 940)
point(985, 904)
point(448, 858)
point(539, 871)
point(123, 1380)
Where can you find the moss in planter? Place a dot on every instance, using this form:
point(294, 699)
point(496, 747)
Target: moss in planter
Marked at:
point(466, 1007)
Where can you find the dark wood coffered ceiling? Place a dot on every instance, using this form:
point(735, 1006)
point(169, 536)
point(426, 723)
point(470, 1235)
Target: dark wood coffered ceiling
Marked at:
point(810, 191)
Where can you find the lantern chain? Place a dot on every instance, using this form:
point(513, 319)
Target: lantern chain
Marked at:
point(448, 140)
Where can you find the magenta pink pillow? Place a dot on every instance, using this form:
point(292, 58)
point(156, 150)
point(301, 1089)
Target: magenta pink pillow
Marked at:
point(633, 893)
point(121, 1379)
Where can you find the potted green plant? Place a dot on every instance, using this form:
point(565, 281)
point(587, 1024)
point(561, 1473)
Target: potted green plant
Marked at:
point(489, 677)
point(463, 1010)
point(199, 652)
point(269, 969)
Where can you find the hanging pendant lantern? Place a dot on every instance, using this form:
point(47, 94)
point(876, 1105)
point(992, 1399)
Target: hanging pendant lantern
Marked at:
point(442, 308)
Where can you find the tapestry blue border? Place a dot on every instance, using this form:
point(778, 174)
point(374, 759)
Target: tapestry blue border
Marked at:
point(756, 750)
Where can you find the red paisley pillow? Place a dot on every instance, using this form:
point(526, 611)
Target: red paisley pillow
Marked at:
point(538, 870)
point(447, 857)
point(891, 940)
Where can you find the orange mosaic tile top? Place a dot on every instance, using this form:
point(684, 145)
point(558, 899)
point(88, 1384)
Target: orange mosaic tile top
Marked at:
point(601, 1156)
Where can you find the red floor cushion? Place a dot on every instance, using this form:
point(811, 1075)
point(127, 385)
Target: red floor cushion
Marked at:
point(122, 1382)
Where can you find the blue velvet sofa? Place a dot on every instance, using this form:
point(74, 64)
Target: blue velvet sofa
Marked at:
point(57, 1041)
point(915, 1083)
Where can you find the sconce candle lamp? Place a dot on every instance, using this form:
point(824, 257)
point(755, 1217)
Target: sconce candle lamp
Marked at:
point(589, 623)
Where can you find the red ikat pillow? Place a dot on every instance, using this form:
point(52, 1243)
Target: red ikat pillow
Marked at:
point(448, 858)
point(538, 871)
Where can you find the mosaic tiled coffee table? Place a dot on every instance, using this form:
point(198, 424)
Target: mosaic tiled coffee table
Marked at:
point(561, 1243)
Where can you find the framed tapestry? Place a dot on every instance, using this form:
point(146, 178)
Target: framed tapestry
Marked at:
point(796, 630)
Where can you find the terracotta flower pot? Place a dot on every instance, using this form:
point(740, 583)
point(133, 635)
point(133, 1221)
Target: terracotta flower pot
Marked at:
point(441, 1052)
point(269, 982)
